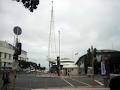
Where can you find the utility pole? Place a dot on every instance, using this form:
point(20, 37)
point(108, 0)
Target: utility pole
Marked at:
point(59, 42)
point(58, 58)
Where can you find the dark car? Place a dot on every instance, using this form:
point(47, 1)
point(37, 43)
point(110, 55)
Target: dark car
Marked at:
point(115, 83)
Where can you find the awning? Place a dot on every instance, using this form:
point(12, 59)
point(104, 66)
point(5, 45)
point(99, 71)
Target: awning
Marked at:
point(115, 59)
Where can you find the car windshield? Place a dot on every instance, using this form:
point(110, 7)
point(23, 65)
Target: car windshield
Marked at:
point(59, 44)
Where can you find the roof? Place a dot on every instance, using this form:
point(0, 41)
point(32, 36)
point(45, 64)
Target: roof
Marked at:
point(8, 45)
point(101, 52)
point(84, 56)
point(106, 51)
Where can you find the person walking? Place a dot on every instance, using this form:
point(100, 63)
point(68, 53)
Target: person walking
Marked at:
point(105, 70)
point(5, 79)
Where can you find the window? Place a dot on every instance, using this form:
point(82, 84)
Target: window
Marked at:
point(9, 56)
point(0, 54)
point(5, 55)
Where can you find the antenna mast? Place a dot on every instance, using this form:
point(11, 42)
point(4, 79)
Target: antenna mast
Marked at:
point(52, 40)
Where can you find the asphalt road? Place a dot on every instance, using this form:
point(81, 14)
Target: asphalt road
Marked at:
point(31, 81)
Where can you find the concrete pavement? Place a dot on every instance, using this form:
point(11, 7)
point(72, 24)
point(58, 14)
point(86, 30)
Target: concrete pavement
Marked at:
point(53, 82)
point(75, 89)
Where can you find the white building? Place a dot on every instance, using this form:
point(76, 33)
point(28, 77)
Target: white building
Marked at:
point(6, 55)
point(69, 66)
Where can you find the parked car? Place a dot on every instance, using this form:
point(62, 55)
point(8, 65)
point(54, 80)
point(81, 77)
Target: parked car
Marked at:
point(115, 83)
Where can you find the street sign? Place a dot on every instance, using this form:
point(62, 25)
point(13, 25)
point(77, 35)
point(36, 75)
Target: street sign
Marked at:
point(17, 30)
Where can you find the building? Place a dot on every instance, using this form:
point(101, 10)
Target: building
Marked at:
point(113, 58)
point(68, 67)
point(81, 64)
point(6, 55)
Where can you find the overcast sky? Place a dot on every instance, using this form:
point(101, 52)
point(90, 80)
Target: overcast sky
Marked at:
point(82, 23)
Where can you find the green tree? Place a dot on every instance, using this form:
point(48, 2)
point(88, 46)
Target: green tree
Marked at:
point(43, 68)
point(30, 4)
point(24, 64)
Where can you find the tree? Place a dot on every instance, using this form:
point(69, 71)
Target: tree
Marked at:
point(38, 67)
point(30, 4)
point(24, 64)
point(33, 65)
point(89, 57)
point(43, 68)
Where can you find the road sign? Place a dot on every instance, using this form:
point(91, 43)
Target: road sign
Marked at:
point(17, 30)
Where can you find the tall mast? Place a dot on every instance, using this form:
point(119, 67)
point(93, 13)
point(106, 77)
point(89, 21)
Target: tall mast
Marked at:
point(52, 41)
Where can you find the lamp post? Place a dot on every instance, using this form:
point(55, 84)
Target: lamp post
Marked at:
point(59, 42)
point(58, 58)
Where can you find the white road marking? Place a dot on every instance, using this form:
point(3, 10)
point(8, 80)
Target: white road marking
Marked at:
point(99, 82)
point(82, 82)
point(67, 82)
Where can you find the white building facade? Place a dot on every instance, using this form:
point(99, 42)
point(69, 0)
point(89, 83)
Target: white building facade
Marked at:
point(69, 67)
point(6, 55)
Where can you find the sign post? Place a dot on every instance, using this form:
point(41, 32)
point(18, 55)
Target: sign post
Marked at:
point(17, 31)
point(92, 65)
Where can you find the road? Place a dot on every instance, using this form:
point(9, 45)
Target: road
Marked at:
point(32, 81)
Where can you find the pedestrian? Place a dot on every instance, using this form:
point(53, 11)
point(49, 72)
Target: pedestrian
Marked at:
point(5, 79)
point(105, 70)
point(69, 73)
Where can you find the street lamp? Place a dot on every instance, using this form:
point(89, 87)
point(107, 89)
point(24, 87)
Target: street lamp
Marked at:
point(58, 57)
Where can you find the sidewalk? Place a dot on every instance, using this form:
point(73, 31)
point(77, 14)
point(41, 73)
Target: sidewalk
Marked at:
point(75, 89)
point(55, 75)
point(0, 80)
point(11, 80)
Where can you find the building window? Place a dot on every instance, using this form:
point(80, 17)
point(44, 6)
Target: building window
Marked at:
point(5, 55)
point(9, 56)
point(0, 54)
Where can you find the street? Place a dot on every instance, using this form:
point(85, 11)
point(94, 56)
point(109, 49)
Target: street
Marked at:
point(32, 81)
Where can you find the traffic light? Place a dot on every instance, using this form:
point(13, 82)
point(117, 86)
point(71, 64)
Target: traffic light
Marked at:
point(18, 50)
point(58, 61)
point(58, 65)
point(15, 56)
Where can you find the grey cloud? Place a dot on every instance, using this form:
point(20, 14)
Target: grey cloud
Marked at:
point(82, 23)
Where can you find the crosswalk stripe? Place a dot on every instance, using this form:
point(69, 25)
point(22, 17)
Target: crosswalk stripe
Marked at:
point(99, 82)
point(81, 82)
point(67, 82)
